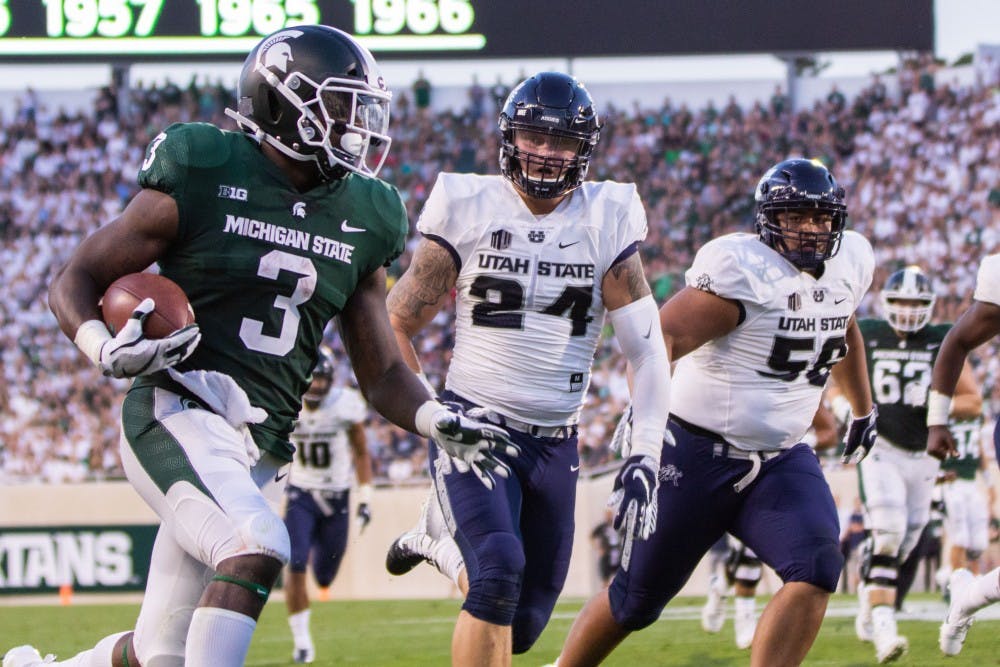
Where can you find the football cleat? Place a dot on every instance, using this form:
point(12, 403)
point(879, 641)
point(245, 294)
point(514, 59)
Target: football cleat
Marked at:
point(890, 648)
point(303, 655)
point(412, 547)
point(889, 644)
point(713, 614)
point(26, 656)
point(955, 626)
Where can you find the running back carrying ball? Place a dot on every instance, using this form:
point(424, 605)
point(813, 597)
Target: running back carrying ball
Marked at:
point(173, 310)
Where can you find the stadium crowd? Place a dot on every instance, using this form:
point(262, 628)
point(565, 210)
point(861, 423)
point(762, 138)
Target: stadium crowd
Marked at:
point(921, 186)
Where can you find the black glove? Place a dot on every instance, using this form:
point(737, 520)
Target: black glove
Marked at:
point(364, 516)
point(860, 437)
point(634, 493)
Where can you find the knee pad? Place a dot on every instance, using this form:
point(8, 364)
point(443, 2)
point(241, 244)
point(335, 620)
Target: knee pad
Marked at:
point(495, 586)
point(888, 528)
point(206, 532)
point(743, 566)
point(631, 610)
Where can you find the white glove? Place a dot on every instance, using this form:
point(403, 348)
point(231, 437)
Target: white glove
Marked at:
point(470, 443)
point(226, 399)
point(130, 353)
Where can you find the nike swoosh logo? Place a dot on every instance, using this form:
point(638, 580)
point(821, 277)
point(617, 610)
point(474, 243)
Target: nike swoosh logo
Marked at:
point(278, 476)
point(563, 246)
point(344, 227)
point(839, 301)
point(648, 331)
point(574, 468)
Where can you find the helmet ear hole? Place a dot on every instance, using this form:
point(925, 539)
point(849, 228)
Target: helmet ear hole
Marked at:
point(272, 105)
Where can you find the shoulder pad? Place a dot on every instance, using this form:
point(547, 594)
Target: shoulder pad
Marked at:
point(181, 147)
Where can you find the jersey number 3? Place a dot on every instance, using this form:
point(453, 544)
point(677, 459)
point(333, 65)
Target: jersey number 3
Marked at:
point(252, 331)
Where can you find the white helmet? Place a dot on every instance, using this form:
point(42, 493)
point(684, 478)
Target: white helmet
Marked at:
point(912, 285)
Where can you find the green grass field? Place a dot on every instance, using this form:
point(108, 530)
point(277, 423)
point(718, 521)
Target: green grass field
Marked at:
point(417, 633)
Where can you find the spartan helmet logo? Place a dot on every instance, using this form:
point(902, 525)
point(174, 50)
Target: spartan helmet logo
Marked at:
point(299, 209)
point(275, 52)
point(279, 56)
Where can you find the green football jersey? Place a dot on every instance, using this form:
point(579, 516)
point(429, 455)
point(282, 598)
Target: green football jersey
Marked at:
point(265, 267)
point(900, 374)
point(968, 436)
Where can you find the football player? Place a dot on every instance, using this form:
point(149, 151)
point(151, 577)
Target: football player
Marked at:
point(271, 232)
point(763, 321)
point(978, 324)
point(897, 479)
point(537, 256)
point(967, 507)
point(329, 439)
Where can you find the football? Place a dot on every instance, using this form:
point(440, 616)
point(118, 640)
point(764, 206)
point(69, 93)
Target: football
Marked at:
point(173, 310)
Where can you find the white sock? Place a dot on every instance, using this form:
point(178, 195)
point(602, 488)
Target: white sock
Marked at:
point(218, 638)
point(884, 619)
point(983, 591)
point(744, 606)
point(299, 623)
point(99, 656)
point(448, 558)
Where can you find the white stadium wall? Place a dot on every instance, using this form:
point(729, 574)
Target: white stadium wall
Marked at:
point(362, 575)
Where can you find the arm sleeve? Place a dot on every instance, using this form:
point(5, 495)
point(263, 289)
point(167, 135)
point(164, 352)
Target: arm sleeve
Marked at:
point(637, 328)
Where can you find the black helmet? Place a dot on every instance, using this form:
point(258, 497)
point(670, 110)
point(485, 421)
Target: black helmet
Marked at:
point(555, 104)
point(317, 95)
point(799, 184)
point(910, 284)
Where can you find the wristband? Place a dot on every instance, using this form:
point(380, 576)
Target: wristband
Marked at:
point(90, 338)
point(365, 494)
point(423, 420)
point(938, 408)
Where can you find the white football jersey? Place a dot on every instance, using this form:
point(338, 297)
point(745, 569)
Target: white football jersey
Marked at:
point(530, 308)
point(323, 458)
point(988, 280)
point(759, 386)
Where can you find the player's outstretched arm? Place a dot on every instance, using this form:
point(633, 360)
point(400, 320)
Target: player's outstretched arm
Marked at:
point(976, 326)
point(400, 396)
point(363, 470)
point(383, 376)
